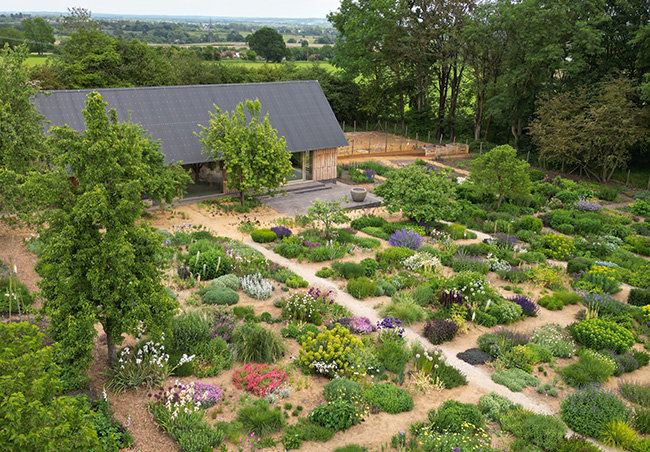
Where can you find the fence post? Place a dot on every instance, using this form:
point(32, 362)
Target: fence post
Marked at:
point(355, 126)
point(386, 142)
point(480, 148)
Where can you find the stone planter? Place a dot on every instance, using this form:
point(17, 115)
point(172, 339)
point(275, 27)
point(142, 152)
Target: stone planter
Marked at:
point(358, 194)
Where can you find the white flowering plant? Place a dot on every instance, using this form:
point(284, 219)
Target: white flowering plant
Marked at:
point(256, 286)
point(425, 262)
point(146, 364)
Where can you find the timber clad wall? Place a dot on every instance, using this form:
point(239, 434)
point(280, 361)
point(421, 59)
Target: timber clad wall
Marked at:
point(324, 165)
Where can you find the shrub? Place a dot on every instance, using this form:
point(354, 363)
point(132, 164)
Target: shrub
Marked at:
point(452, 415)
point(264, 235)
point(586, 411)
point(230, 280)
point(187, 330)
point(281, 231)
point(474, 356)
point(211, 358)
point(253, 343)
point(498, 342)
point(406, 238)
point(209, 265)
point(220, 296)
point(325, 272)
point(484, 319)
point(302, 307)
point(389, 398)
point(551, 303)
point(559, 247)
point(580, 264)
point(577, 443)
point(258, 418)
point(591, 368)
point(368, 221)
point(338, 415)
point(601, 334)
point(256, 286)
point(534, 257)
point(290, 247)
point(361, 288)
point(439, 331)
point(350, 270)
point(641, 420)
point(462, 262)
point(342, 388)
point(394, 255)
point(351, 448)
point(514, 379)
point(17, 292)
point(259, 379)
point(528, 307)
point(370, 267)
point(619, 434)
point(607, 193)
point(331, 352)
point(404, 308)
point(296, 282)
point(635, 393)
point(529, 223)
point(504, 311)
point(493, 404)
point(392, 353)
point(385, 288)
point(603, 277)
point(639, 297)
point(555, 339)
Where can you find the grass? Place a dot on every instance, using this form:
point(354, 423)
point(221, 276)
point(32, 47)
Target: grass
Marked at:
point(36, 60)
point(258, 64)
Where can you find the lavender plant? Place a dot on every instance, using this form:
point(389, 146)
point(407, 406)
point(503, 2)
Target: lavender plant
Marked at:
point(406, 238)
point(528, 306)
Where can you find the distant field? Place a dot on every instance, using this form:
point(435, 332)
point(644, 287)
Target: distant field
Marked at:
point(36, 60)
point(257, 64)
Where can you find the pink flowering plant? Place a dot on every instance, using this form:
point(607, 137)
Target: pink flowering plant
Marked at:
point(260, 379)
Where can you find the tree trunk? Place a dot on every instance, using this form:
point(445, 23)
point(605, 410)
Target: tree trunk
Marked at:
point(455, 89)
point(443, 83)
point(241, 191)
point(112, 349)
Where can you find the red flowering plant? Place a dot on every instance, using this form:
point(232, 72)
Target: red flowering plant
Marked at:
point(260, 379)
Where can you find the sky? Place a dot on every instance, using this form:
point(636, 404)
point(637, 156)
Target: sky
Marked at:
point(218, 8)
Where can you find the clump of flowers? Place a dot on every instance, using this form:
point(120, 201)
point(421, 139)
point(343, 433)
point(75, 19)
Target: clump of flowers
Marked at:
point(223, 326)
point(281, 231)
point(174, 404)
point(602, 277)
point(357, 325)
point(391, 323)
point(406, 238)
point(260, 379)
point(587, 206)
point(497, 264)
point(302, 307)
point(331, 353)
point(504, 241)
point(256, 286)
point(559, 247)
point(370, 175)
point(425, 261)
point(248, 225)
point(528, 307)
point(207, 394)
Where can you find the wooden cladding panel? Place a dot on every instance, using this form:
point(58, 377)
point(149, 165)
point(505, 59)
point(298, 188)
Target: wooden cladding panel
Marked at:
point(324, 164)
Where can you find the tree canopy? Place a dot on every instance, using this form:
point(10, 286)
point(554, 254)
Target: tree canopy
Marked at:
point(99, 262)
point(255, 159)
point(268, 44)
point(39, 34)
point(499, 172)
point(420, 194)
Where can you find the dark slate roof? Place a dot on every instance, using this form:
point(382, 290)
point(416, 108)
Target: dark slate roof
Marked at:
point(297, 109)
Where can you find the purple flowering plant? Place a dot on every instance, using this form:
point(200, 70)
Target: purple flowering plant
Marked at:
point(207, 394)
point(406, 238)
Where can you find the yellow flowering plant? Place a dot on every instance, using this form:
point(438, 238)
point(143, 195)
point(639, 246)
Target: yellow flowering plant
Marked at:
point(332, 353)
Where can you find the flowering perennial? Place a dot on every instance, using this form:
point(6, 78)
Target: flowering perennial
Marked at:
point(260, 379)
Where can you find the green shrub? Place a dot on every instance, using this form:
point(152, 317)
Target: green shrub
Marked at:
point(555, 339)
point(607, 193)
point(452, 414)
point(258, 418)
point(529, 223)
point(641, 420)
point(404, 308)
point(342, 348)
point(579, 264)
point(209, 265)
point(376, 232)
point(200, 438)
point(370, 267)
point(385, 288)
point(290, 247)
point(350, 270)
point(230, 280)
point(264, 235)
point(577, 443)
point(342, 388)
point(368, 221)
point(297, 282)
point(514, 379)
point(601, 334)
point(551, 303)
point(220, 295)
point(619, 434)
point(351, 448)
point(591, 368)
point(586, 411)
point(639, 297)
point(361, 288)
point(338, 415)
point(485, 319)
point(389, 398)
point(635, 393)
point(504, 311)
point(187, 331)
point(325, 272)
point(17, 292)
point(534, 257)
point(204, 246)
point(394, 255)
point(255, 344)
point(392, 353)
point(211, 358)
point(493, 404)
point(423, 295)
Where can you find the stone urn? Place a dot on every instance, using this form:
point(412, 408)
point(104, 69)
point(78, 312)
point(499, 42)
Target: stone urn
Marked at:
point(358, 194)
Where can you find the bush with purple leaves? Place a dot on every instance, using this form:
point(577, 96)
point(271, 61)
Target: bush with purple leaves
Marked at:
point(406, 238)
point(281, 231)
point(439, 331)
point(528, 306)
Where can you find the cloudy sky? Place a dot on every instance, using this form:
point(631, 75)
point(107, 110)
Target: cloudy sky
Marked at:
point(222, 8)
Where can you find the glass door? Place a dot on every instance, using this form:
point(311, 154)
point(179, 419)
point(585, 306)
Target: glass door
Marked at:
point(298, 164)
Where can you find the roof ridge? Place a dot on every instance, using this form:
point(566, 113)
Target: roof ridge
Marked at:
point(214, 85)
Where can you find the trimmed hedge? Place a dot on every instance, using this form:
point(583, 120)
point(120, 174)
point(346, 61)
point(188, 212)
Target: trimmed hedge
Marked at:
point(220, 295)
point(264, 235)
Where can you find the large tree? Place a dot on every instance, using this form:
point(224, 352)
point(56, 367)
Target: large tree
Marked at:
point(268, 43)
point(22, 142)
point(420, 194)
point(39, 34)
point(255, 159)
point(500, 173)
point(100, 262)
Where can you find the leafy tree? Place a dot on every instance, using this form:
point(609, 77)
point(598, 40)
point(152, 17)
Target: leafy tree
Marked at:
point(499, 172)
point(39, 34)
point(22, 141)
point(34, 418)
point(11, 36)
point(594, 130)
point(100, 263)
point(328, 213)
point(421, 195)
point(268, 44)
point(254, 157)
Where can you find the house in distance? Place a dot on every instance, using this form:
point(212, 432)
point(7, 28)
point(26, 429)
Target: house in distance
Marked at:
point(298, 110)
